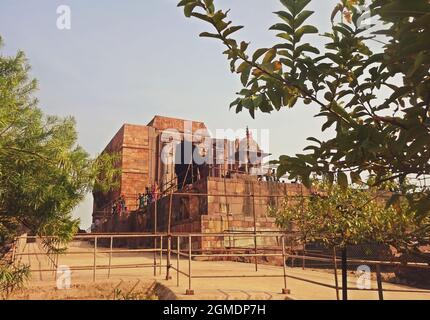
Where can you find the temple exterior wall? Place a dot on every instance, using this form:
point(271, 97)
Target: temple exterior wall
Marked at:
point(224, 203)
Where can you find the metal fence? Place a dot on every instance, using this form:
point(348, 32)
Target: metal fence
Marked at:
point(162, 246)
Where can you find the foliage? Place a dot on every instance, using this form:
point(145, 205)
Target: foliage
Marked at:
point(12, 278)
point(340, 217)
point(44, 174)
point(131, 295)
point(378, 103)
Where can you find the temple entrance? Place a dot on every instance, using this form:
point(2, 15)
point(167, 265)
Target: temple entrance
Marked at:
point(187, 170)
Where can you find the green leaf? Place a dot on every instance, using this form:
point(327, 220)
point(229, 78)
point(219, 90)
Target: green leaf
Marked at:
point(258, 53)
point(185, 2)
point(188, 9)
point(287, 17)
point(306, 47)
point(270, 55)
point(302, 17)
point(210, 35)
point(231, 30)
point(201, 16)
point(210, 6)
point(282, 27)
point(304, 30)
point(244, 78)
point(242, 67)
point(295, 6)
point(276, 98)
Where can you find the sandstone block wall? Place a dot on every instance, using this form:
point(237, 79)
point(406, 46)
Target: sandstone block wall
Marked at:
point(135, 145)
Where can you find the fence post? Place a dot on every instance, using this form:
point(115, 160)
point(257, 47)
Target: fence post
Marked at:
point(379, 281)
point(161, 254)
point(53, 259)
point(94, 260)
point(344, 274)
point(255, 230)
point(14, 250)
point(303, 256)
point(169, 238)
point(178, 256)
point(169, 247)
point(189, 291)
point(336, 282)
point(284, 265)
point(155, 237)
point(56, 255)
point(110, 255)
point(293, 253)
point(155, 255)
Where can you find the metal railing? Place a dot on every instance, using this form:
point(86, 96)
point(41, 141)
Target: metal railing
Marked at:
point(190, 255)
point(164, 245)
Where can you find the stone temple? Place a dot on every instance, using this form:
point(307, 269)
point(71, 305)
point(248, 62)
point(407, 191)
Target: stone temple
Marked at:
point(225, 193)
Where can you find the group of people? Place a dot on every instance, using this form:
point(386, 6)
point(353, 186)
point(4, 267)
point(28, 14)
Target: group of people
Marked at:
point(270, 176)
point(119, 206)
point(151, 195)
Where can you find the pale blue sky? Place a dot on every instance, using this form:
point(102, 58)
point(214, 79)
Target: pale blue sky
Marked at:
point(127, 60)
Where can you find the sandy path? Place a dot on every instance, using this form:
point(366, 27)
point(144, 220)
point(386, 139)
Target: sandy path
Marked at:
point(132, 269)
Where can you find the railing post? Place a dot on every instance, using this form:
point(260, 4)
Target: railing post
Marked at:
point(336, 281)
point(53, 259)
point(110, 255)
point(169, 238)
point(161, 254)
point(94, 259)
point(56, 260)
point(284, 266)
point(57, 256)
point(344, 273)
point(189, 291)
point(14, 250)
point(155, 237)
point(293, 252)
point(379, 281)
point(255, 230)
point(303, 256)
point(169, 245)
point(178, 256)
point(155, 255)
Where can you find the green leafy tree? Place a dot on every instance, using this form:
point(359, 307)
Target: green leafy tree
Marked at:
point(44, 173)
point(12, 278)
point(377, 102)
point(340, 217)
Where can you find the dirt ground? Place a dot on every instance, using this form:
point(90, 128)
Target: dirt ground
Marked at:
point(135, 277)
point(112, 290)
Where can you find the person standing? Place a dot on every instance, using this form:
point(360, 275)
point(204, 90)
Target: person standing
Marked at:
point(148, 196)
point(118, 206)
point(122, 204)
point(145, 198)
point(139, 201)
